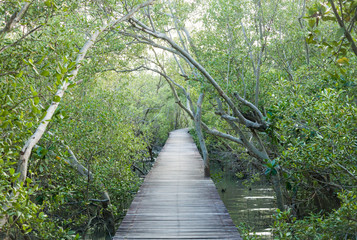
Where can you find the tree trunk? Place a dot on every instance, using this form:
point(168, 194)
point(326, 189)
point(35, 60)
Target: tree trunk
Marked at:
point(33, 140)
point(200, 136)
point(25, 153)
point(278, 193)
point(88, 174)
point(342, 25)
point(15, 18)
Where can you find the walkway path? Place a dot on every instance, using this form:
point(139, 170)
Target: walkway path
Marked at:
point(176, 201)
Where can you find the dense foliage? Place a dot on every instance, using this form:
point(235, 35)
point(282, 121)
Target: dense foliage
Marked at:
point(279, 86)
point(104, 123)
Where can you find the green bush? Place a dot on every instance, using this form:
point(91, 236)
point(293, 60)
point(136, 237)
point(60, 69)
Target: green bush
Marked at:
point(339, 224)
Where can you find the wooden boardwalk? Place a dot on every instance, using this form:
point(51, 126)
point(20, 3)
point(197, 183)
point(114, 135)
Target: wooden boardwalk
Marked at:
point(176, 201)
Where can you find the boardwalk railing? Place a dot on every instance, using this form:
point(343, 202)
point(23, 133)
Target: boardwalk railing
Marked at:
point(176, 201)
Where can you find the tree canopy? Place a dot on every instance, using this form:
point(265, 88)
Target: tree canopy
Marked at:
point(90, 90)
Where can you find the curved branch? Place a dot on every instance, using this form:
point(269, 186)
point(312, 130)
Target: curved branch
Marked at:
point(141, 26)
point(37, 135)
point(201, 139)
point(15, 18)
point(342, 25)
point(249, 104)
point(214, 132)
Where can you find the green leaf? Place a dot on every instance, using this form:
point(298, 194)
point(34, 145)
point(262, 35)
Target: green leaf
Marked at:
point(72, 66)
point(38, 151)
point(26, 62)
point(334, 43)
point(328, 18)
point(310, 39)
point(273, 163)
point(326, 44)
point(35, 110)
point(20, 74)
point(311, 23)
point(59, 78)
point(45, 73)
point(72, 85)
point(57, 99)
point(48, 3)
point(343, 60)
point(41, 60)
point(340, 32)
point(41, 215)
point(63, 70)
point(12, 171)
point(36, 100)
point(43, 114)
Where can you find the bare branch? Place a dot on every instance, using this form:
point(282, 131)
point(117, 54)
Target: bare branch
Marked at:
point(200, 136)
point(37, 135)
point(151, 21)
point(347, 171)
point(177, 27)
point(251, 148)
point(145, 40)
point(230, 120)
point(214, 132)
point(19, 40)
point(255, 134)
point(131, 13)
point(342, 25)
point(15, 18)
point(249, 104)
point(188, 57)
point(125, 70)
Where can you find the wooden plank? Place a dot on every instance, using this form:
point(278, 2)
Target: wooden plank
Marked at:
point(176, 201)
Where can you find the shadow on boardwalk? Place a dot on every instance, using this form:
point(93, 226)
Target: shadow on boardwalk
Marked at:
point(176, 201)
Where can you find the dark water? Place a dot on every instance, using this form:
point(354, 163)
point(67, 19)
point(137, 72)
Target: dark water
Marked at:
point(253, 205)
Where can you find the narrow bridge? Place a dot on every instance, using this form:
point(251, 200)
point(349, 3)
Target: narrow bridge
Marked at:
point(176, 201)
